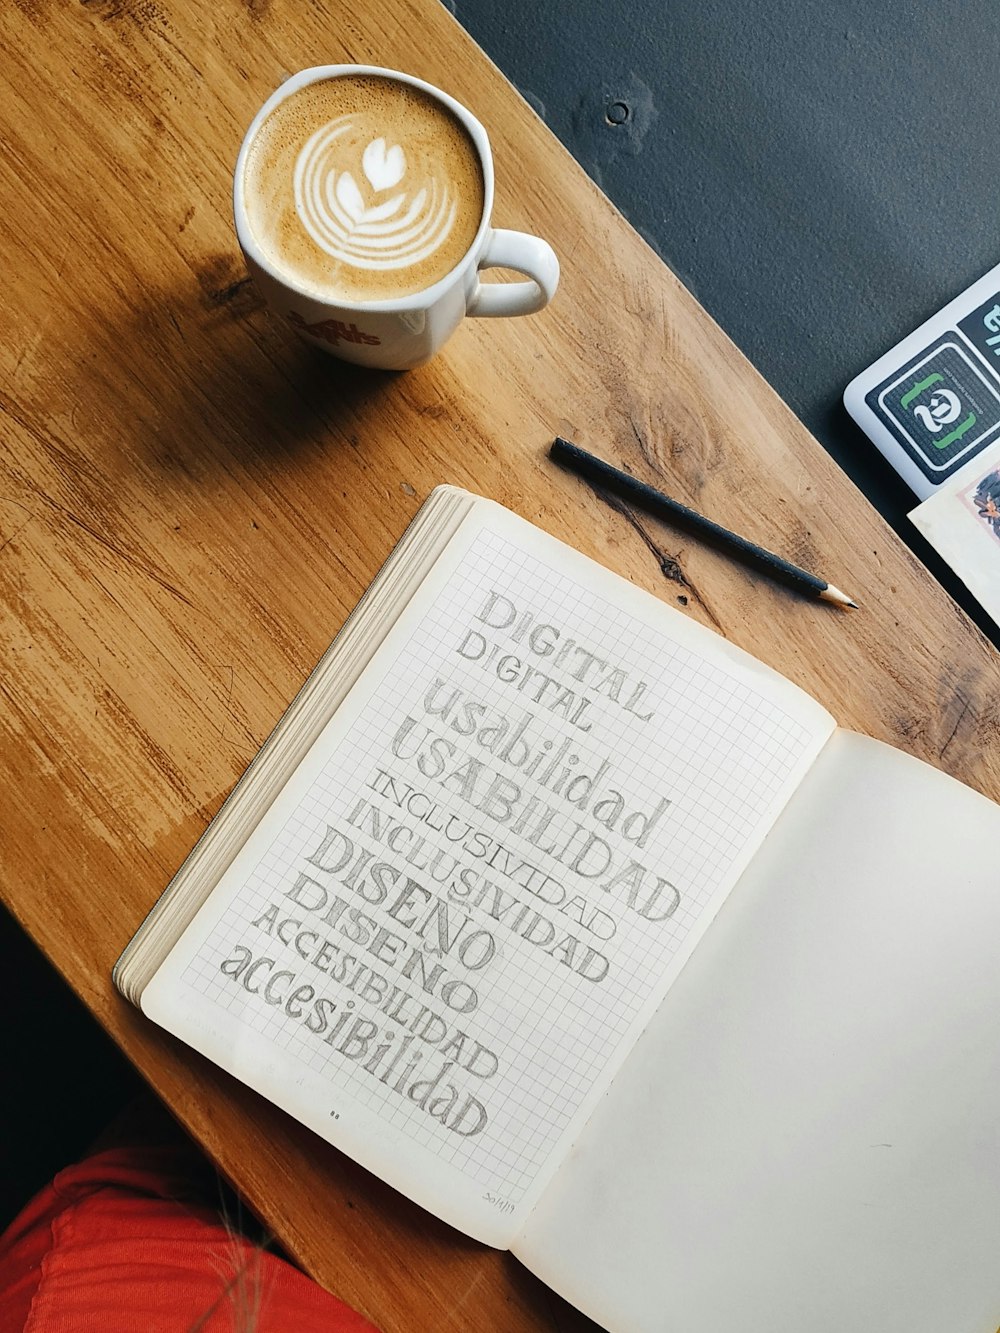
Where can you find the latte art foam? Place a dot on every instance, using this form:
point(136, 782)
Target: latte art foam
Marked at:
point(362, 188)
point(351, 223)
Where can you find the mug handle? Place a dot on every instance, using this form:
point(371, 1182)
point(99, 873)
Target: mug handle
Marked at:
point(525, 254)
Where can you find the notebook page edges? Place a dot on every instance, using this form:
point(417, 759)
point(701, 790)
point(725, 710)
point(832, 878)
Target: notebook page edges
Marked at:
point(317, 700)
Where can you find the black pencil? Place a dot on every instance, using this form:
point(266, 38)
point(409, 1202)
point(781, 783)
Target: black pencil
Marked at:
point(602, 474)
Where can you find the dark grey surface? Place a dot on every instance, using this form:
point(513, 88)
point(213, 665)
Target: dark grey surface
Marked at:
point(822, 177)
point(62, 1078)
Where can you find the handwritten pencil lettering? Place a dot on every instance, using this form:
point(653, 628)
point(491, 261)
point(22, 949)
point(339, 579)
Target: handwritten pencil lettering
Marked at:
point(495, 860)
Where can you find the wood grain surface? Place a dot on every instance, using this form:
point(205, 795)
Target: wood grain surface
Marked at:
point(191, 503)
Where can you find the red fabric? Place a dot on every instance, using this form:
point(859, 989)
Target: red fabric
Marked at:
point(121, 1243)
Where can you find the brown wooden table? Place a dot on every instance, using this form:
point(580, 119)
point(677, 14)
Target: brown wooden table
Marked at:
point(191, 503)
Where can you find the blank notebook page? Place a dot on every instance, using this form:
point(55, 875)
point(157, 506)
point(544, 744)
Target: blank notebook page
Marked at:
point(807, 1136)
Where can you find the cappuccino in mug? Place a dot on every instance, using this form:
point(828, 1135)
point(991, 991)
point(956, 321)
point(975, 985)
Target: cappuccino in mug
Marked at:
point(362, 188)
point(362, 199)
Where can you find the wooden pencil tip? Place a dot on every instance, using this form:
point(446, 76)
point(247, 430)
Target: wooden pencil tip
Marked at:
point(832, 594)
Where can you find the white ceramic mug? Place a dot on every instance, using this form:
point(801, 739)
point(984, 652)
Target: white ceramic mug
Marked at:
point(404, 331)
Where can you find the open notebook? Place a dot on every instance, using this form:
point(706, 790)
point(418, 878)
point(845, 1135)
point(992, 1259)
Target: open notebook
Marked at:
point(443, 919)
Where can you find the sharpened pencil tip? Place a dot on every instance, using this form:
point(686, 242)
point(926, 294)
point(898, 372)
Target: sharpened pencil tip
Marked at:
point(832, 594)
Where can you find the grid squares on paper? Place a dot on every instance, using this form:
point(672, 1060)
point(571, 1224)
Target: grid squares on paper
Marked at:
point(714, 747)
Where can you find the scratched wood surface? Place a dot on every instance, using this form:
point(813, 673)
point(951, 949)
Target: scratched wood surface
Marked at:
point(191, 503)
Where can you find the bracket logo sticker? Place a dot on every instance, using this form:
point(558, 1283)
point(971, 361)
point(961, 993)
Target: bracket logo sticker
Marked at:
point(941, 408)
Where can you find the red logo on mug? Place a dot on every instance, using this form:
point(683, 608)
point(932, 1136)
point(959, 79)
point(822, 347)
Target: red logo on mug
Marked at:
point(333, 331)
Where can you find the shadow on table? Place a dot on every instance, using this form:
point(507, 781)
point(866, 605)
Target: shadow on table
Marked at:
point(211, 380)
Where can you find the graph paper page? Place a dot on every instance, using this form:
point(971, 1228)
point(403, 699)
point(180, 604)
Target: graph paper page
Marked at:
point(475, 890)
